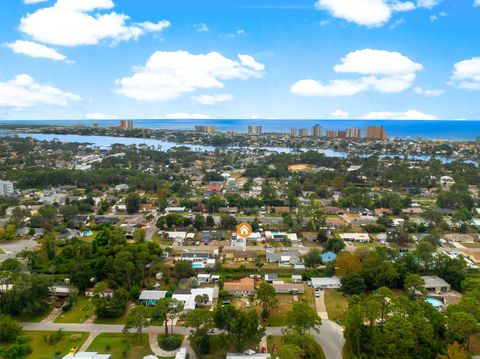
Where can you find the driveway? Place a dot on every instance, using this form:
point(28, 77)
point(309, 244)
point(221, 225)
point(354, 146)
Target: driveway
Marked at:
point(320, 305)
point(152, 229)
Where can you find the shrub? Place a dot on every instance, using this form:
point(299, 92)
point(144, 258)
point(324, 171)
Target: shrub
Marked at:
point(9, 329)
point(170, 342)
point(54, 338)
point(75, 338)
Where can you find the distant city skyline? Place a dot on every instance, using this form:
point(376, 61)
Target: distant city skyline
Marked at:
point(263, 59)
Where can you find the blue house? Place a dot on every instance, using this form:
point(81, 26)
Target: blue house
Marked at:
point(328, 257)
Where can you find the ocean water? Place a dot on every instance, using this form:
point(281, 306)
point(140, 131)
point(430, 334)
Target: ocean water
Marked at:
point(439, 129)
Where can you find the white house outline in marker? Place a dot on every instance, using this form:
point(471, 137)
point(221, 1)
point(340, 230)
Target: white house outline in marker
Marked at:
point(244, 230)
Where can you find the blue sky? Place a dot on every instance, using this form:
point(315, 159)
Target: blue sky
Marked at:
point(381, 59)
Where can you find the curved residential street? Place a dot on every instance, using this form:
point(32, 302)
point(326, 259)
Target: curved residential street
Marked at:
point(330, 336)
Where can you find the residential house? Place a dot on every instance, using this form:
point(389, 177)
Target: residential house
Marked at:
point(87, 355)
point(187, 296)
point(289, 288)
point(283, 258)
point(106, 219)
point(355, 237)
point(151, 297)
point(296, 278)
point(241, 288)
point(241, 256)
point(194, 256)
point(270, 278)
point(326, 283)
point(435, 284)
point(228, 210)
point(204, 278)
point(248, 354)
point(175, 210)
point(208, 236)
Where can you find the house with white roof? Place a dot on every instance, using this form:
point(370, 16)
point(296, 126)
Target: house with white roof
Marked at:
point(187, 297)
point(87, 355)
point(355, 237)
point(326, 283)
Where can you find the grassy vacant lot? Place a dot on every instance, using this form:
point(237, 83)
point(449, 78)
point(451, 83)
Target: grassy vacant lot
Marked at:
point(82, 310)
point(43, 350)
point(278, 315)
point(278, 341)
point(336, 304)
point(119, 320)
point(122, 346)
point(34, 319)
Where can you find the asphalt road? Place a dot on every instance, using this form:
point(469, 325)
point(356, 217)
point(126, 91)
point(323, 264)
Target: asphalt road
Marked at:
point(330, 336)
point(152, 229)
point(12, 248)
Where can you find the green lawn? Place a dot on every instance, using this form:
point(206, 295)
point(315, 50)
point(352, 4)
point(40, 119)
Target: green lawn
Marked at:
point(336, 303)
point(122, 346)
point(471, 245)
point(278, 315)
point(366, 245)
point(273, 340)
point(278, 341)
point(43, 350)
point(82, 310)
point(120, 320)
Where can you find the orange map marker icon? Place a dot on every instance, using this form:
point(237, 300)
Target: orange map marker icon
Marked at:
point(244, 230)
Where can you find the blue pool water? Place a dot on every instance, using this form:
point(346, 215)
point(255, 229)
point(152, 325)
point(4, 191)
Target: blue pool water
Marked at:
point(197, 265)
point(435, 302)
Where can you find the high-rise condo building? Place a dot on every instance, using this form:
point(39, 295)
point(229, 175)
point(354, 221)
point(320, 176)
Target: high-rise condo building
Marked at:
point(205, 129)
point(293, 132)
point(354, 133)
point(376, 133)
point(254, 130)
point(303, 132)
point(6, 188)
point(316, 131)
point(126, 124)
point(331, 134)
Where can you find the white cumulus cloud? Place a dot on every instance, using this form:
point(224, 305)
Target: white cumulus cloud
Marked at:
point(382, 71)
point(187, 116)
point(33, 49)
point(466, 74)
point(75, 23)
point(212, 99)
point(202, 27)
point(391, 115)
point(429, 92)
point(361, 12)
point(100, 116)
point(340, 114)
point(169, 75)
point(370, 13)
point(24, 92)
